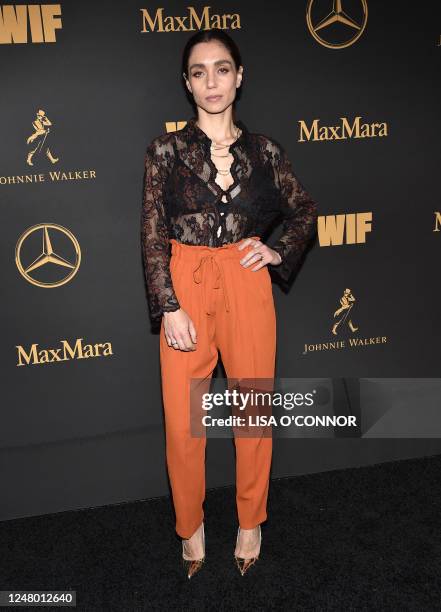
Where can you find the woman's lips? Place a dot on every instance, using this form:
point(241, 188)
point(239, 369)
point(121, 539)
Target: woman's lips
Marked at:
point(213, 98)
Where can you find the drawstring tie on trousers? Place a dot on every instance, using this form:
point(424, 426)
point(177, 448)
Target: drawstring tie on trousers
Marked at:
point(197, 277)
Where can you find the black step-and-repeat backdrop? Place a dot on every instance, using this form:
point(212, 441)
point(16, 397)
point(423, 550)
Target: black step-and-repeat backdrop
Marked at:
point(350, 89)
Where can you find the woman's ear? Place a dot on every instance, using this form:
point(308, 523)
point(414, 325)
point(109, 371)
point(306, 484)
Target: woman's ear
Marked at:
point(187, 82)
point(239, 76)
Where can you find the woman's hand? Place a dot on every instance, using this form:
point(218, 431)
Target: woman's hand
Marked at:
point(179, 330)
point(260, 253)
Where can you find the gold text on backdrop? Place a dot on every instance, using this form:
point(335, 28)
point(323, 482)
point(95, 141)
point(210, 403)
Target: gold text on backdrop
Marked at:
point(158, 22)
point(44, 19)
point(343, 131)
point(66, 352)
point(331, 229)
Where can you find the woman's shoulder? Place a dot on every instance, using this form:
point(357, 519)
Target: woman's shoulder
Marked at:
point(162, 144)
point(268, 146)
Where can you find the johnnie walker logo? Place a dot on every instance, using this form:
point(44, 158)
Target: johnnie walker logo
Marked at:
point(39, 140)
point(40, 153)
point(347, 302)
point(344, 329)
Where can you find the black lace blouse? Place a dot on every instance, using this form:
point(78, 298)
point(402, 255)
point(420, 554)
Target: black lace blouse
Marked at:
point(181, 200)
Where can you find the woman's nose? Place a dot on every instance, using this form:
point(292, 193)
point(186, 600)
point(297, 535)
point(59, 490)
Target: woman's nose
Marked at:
point(211, 79)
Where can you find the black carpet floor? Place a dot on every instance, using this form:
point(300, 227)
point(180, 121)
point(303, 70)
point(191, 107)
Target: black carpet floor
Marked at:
point(358, 539)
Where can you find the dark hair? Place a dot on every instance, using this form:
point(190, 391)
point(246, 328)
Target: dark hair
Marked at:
point(206, 36)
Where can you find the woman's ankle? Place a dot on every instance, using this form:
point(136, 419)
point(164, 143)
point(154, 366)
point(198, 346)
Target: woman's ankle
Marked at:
point(248, 542)
point(193, 547)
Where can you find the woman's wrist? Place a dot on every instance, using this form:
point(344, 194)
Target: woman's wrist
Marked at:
point(279, 258)
point(169, 312)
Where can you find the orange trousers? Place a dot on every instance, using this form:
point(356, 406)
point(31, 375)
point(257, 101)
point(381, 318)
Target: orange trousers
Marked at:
point(233, 311)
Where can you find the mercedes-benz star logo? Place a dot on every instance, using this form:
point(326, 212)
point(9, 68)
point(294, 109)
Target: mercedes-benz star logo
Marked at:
point(331, 36)
point(49, 269)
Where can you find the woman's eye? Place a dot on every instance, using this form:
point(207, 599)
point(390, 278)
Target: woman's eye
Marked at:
point(196, 74)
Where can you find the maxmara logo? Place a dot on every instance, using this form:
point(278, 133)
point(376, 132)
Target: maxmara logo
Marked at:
point(344, 130)
point(34, 23)
point(203, 20)
point(65, 352)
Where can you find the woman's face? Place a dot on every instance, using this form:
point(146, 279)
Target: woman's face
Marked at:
point(212, 76)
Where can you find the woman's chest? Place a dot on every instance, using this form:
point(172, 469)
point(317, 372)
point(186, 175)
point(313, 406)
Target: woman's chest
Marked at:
point(194, 188)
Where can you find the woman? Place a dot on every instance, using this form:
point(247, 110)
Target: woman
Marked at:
point(211, 190)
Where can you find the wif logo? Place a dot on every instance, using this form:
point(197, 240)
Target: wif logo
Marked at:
point(174, 126)
point(158, 22)
point(344, 229)
point(42, 19)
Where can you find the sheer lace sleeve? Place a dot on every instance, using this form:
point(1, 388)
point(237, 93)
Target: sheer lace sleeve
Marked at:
point(154, 231)
point(299, 215)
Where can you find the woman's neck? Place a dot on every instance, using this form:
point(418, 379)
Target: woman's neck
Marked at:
point(218, 129)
